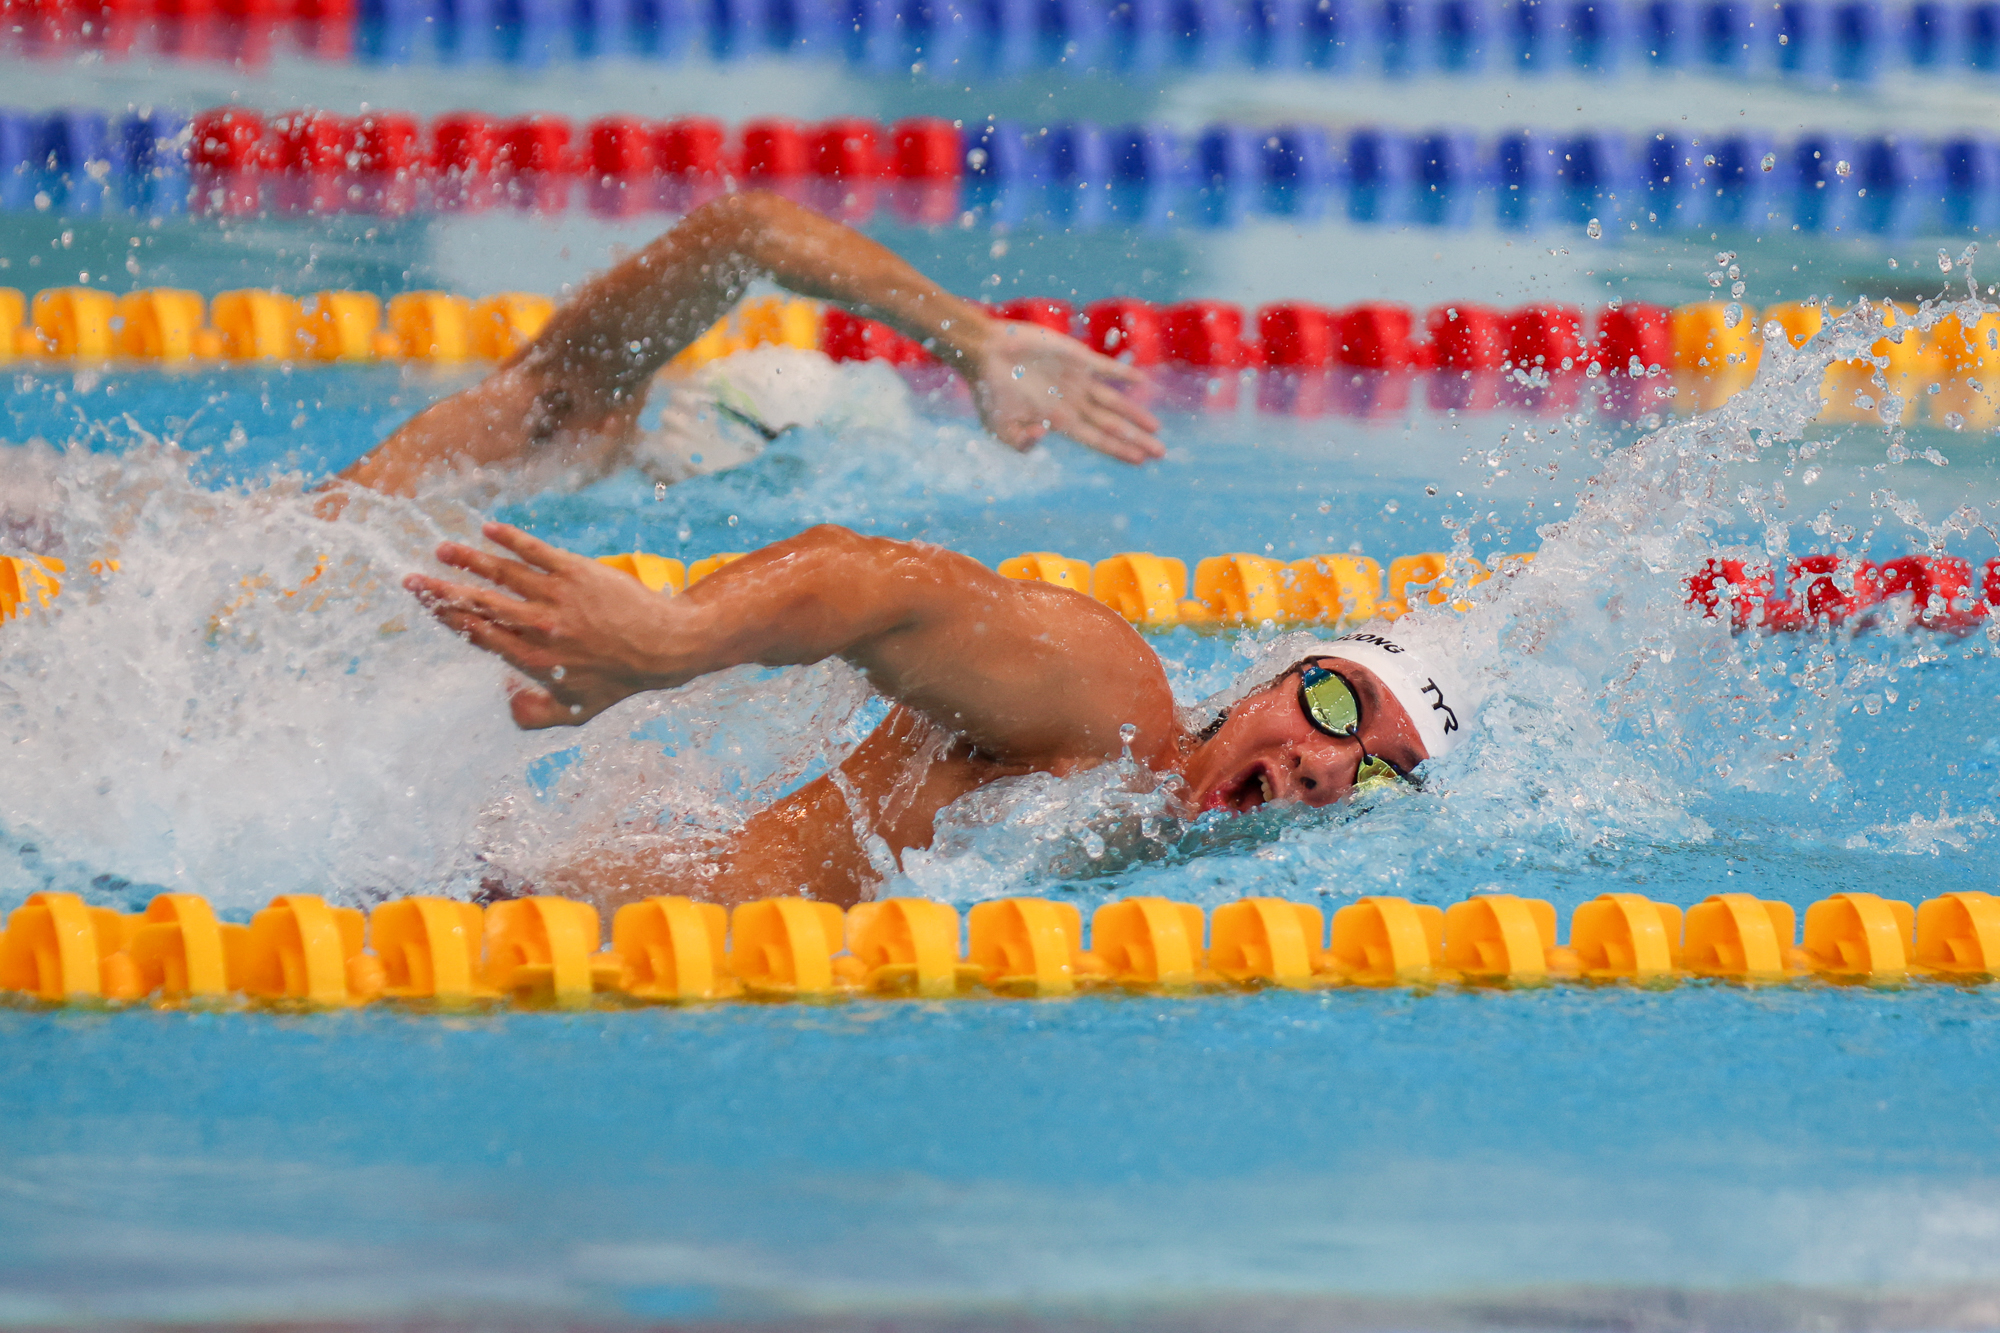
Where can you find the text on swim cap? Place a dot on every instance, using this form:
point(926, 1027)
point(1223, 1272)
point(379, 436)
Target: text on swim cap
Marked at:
point(1440, 706)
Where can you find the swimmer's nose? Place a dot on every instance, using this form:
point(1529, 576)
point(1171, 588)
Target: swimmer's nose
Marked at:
point(1324, 773)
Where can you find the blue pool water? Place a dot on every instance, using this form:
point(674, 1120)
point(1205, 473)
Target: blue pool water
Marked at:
point(1700, 1156)
point(1474, 1157)
point(1567, 1150)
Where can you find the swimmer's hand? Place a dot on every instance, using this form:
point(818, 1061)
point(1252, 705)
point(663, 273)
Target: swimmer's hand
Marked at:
point(586, 634)
point(1028, 381)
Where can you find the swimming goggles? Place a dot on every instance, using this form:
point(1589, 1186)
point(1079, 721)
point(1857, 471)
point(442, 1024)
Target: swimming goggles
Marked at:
point(1330, 705)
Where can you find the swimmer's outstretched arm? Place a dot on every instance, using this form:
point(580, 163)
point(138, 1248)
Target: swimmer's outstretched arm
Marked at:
point(1024, 673)
point(573, 396)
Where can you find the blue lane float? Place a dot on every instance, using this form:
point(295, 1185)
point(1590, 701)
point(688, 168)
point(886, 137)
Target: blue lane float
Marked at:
point(1818, 41)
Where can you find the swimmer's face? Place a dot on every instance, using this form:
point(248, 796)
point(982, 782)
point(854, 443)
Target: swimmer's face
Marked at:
point(1267, 750)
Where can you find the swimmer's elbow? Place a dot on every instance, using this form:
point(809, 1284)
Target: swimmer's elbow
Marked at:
point(832, 539)
point(742, 220)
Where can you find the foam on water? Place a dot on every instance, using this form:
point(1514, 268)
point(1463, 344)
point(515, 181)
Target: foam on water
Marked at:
point(214, 717)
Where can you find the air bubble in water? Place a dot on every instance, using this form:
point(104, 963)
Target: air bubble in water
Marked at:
point(1595, 230)
point(1770, 161)
point(1843, 168)
point(1732, 315)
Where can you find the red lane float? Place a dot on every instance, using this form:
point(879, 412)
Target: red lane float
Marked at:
point(1833, 591)
point(1300, 337)
point(238, 140)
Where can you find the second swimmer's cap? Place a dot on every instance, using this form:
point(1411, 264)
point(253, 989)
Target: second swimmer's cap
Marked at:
point(1437, 703)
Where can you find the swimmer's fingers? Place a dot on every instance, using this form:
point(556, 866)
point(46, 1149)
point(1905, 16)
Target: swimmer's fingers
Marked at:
point(534, 708)
point(1120, 398)
point(1117, 372)
point(521, 653)
point(532, 549)
point(509, 574)
point(445, 600)
point(1131, 429)
point(1094, 436)
point(1106, 430)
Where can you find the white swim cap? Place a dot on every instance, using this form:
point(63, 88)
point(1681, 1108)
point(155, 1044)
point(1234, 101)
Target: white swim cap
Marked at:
point(1437, 702)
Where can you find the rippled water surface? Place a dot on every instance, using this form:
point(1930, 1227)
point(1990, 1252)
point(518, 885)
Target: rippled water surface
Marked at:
point(206, 720)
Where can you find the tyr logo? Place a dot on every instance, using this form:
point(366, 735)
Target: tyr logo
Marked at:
point(1439, 706)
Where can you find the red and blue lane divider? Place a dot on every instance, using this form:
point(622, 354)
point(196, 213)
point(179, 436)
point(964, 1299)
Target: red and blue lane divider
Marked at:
point(927, 171)
point(1820, 41)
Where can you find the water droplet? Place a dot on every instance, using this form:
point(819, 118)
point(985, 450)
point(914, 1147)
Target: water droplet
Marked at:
point(660, 491)
point(732, 520)
point(1732, 314)
point(1736, 290)
point(1843, 168)
point(1430, 490)
point(1944, 262)
point(1595, 230)
point(1020, 371)
point(1770, 161)
point(1127, 733)
point(557, 673)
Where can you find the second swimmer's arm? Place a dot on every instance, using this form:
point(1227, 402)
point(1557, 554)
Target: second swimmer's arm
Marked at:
point(1026, 381)
point(577, 389)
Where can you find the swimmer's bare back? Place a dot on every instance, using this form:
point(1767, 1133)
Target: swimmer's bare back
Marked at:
point(569, 402)
point(988, 677)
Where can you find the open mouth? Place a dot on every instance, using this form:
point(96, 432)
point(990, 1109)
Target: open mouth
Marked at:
point(1248, 791)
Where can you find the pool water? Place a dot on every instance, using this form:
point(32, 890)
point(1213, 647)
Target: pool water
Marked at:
point(1558, 1158)
point(1568, 1156)
point(1699, 1156)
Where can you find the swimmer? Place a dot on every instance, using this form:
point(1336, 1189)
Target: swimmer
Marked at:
point(567, 406)
point(987, 677)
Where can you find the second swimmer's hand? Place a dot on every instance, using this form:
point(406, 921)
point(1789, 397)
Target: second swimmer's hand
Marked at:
point(583, 632)
point(1028, 381)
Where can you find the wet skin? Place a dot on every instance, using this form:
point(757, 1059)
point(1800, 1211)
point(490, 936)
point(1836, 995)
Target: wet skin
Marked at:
point(1269, 751)
point(990, 677)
